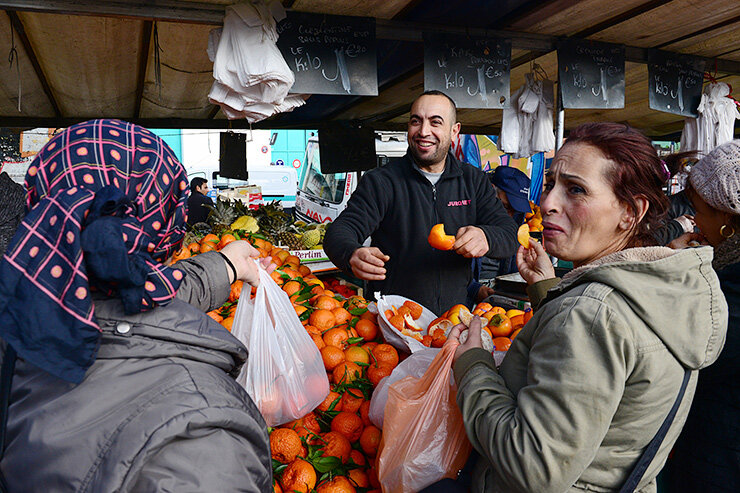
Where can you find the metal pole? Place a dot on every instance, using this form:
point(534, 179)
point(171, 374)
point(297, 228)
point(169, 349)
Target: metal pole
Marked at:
point(561, 120)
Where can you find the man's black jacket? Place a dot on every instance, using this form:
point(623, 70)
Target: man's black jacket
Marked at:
point(397, 206)
point(198, 207)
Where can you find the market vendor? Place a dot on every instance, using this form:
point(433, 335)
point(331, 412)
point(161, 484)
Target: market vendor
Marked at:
point(397, 205)
point(199, 203)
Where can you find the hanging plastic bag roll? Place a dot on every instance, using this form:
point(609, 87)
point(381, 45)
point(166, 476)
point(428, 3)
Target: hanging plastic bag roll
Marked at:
point(424, 437)
point(284, 374)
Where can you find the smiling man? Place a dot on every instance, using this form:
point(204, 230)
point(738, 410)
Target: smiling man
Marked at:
point(397, 205)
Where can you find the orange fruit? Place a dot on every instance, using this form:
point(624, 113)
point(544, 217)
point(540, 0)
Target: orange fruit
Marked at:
point(336, 337)
point(292, 273)
point(369, 346)
point(207, 247)
point(375, 373)
point(215, 316)
point(285, 445)
point(194, 247)
point(358, 478)
point(181, 254)
point(236, 290)
point(318, 341)
point(312, 330)
point(325, 302)
point(299, 309)
point(368, 315)
point(209, 238)
point(332, 356)
point(385, 353)
point(292, 259)
point(303, 270)
point(298, 476)
point(365, 413)
point(357, 457)
point(369, 440)
point(228, 322)
point(372, 475)
point(341, 315)
point(277, 278)
point(366, 329)
point(427, 340)
point(322, 319)
point(338, 484)
point(515, 333)
point(500, 326)
point(276, 487)
point(309, 426)
point(415, 309)
point(335, 444)
point(225, 240)
point(326, 404)
point(352, 399)
point(502, 343)
point(439, 239)
point(346, 372)
point(348, 424)
point(356, 354)
point(291, 287)
point(398, 322)
point(403, 310)
point(522, 235)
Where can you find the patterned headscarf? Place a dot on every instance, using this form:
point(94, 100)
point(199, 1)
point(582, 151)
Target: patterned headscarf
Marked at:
point(106, 202)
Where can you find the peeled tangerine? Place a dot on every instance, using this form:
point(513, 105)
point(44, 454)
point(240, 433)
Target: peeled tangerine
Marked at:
point(523, 235)
point(439, 239)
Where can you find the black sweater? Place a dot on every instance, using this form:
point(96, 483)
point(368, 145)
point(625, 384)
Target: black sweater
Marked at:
point(12, 209)
point(397, 206)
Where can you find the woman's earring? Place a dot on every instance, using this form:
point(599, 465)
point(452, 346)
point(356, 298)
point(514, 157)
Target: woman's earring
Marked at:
point(723, 232)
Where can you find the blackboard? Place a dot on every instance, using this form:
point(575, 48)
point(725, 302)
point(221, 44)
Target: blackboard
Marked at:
point(330, 54)
point(473, 71)
point(233, 156)
point(346, 149)
point(591, 74)
point(675, 82)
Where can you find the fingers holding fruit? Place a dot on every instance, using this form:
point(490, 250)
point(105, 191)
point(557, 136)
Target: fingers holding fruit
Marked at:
point(242, 255)
point(368, 263)
point(471, 242)
point(468, 337)
point(533, 263)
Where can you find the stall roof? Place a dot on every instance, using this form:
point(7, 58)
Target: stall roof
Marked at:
point(79, 59)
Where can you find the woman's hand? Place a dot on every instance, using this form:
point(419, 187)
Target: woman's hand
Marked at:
point(688, 240)
point(474, 336)
point(533, 263)
point(243, 255)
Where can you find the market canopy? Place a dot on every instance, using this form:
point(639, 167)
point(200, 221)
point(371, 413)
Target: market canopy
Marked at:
point(146, 61)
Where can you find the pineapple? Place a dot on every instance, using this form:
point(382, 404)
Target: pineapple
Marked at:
point(311, 238)
point(221, 216)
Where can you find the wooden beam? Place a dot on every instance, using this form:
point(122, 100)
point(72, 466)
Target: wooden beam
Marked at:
point(17, 25)
point(618, 19)
point(146, 39)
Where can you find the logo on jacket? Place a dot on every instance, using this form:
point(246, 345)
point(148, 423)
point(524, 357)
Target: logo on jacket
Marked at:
point(458, 203)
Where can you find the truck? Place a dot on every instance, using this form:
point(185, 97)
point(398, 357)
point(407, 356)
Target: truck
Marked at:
point(200, 155)
point(321, 198)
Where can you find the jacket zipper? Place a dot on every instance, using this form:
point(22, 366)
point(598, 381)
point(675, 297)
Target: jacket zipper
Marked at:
point(436, 221)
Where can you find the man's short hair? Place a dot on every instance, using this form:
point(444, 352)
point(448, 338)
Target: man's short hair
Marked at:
point(197, 182)
point(435, 92)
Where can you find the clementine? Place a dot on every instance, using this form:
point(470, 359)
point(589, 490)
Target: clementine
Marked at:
point(335, 444)
point(318, 341)
point(236, 290)
point(291, 287)
point(358, 478)
point(332, 356)
point(352, 399)
point(357, 354)
point(398, 322)
point(385, 353)
point(225, 240)
point(346, 372)
point(337, 337)
point(331, 399)
point(357, 457)
point(325, 302)
point(502, 343)
point(366, 329)
point(369, 440)
point(338, 484)
point(228, 322)
point(365, 413)
point(376, 373)
point(439, 239)
point(285, 445)
point(215, 316)
point(299, 476)
point(348, 424)
point(515, 333)
point(341, 315)
point(322, 319)
point(415, 309)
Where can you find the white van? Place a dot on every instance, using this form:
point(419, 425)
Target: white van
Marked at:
point(321, 198)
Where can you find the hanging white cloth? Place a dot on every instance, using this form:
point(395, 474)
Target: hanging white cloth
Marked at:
point(252, 78)
point(527, 125)
point(715, 123)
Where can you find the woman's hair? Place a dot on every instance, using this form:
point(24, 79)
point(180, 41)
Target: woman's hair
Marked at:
point(637, 170)
point(196, 182)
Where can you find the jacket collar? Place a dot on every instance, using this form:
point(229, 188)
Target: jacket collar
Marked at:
point(453, 167)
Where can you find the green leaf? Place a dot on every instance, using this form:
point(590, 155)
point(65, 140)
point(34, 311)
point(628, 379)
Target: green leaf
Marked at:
point(304, 297)
point(357, 311)
point(358, 363)
point(326, 464)
point(354, 340)
point(305, 315)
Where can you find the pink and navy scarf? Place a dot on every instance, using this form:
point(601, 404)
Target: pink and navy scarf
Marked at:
point(106, 207)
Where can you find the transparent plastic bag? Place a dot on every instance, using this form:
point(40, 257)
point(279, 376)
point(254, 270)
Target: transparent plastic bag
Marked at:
point(413, 366)
point(284, 374)
point(423, 434)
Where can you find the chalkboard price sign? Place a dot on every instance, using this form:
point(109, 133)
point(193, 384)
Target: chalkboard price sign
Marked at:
point(346, 149)
point(473, 71)
point(330, 54)
point(675, 82)
point(591, 74)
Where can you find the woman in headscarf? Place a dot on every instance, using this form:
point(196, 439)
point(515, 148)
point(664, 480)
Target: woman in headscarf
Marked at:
point(707, 454)
point(121, 382)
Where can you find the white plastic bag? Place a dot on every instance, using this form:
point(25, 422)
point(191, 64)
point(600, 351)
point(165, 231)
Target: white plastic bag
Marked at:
point(391, 335)
point(284, 374)
point(413, 366)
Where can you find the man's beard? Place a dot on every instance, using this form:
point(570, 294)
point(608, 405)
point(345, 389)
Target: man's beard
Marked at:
point(430, 160)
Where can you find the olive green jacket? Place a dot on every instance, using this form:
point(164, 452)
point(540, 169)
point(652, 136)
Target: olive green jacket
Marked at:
point(589, 380)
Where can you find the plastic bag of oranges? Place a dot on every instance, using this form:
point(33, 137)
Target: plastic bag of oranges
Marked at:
point(284, 374)
point(424, 437)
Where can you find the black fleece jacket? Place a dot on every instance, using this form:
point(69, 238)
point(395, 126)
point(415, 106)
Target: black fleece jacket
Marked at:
point(397, 206)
